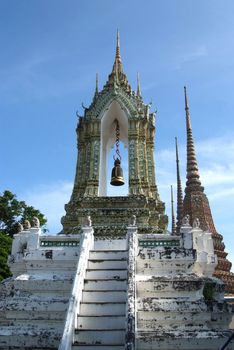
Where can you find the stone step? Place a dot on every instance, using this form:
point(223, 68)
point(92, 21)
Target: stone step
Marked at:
point(62, 265)
point(110, 284)
point(45, 315)
point(108, 254)
point(106, 274)
point(153, 320)
point(43, 285)
point(92, 337)
point(165, 267)
point(183, 340)
point(167, 305)
point(98, 346)
point(42, 322)
point(170, 287)
point(15, 337)
point(98, 264)
point(34, 304)
point(102, 309)
point(101, 322)
point(113, 244)
point(104, 295)
point(56, 293)
point(172, 326)
point(25, 347)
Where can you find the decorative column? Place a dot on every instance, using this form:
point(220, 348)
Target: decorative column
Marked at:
point(143, 161)
point(134, 173)
point(150, 157)
point(93, 160)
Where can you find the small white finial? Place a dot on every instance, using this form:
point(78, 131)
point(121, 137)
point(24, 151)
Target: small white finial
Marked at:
point(88, 221)
point(185, 220)
point(132, 221)
point(35, 222)
point(196, 223)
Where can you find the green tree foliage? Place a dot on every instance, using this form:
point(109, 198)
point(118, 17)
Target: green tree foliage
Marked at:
point(12, 211)
point(208, 291)
point(5, 248)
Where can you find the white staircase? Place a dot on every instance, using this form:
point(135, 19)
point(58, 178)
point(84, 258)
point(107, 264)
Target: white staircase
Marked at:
point(101, 322)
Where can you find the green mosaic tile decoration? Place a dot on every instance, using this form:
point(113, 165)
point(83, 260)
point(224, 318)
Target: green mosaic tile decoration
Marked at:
point(158, 243)
point(59, 243)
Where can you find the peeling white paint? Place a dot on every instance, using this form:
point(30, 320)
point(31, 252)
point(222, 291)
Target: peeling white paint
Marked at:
point(146, 295)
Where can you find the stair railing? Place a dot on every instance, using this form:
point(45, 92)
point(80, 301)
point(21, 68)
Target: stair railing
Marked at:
point(86, 243)
point(228, 341)
point(131, 289)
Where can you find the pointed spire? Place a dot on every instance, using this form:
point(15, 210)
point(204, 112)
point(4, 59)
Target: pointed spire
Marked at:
point(118, 78)
point(179, 191)
point(193, 178)
point(173, 224)
point(196, 205)
point(117, 67)
point(117, 56)
point(96, 90)
point(138, 85)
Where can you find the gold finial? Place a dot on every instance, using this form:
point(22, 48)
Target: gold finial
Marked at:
point(117, 67)
point(179, 215)
point(117, 52)
point(138, 85)
point(118, 44)
point(173, 224)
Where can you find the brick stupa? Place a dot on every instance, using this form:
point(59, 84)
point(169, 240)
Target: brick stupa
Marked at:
point(196, 204)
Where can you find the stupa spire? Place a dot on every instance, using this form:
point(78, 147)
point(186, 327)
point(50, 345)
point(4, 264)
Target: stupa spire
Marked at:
point(96, 90)
point(193, 178)
point(118, 78)
point(196, 205)
point(138, 85)
point(173, 224)
point(117, 67)
point(179, 191)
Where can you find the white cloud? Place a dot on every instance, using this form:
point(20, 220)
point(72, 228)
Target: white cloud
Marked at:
point(197, 52)
point(215, 160)
point(227, 192)
point(50, 200)
point(191, 55)
point(218, 175)
point(220, 148)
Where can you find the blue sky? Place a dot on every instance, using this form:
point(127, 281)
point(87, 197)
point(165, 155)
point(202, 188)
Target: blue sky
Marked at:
point(50, 53)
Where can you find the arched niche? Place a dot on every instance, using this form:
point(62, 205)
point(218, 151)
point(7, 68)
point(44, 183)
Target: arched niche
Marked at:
point(108, 138)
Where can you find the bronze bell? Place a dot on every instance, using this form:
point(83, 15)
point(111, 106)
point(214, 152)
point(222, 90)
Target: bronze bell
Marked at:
point(117, 174)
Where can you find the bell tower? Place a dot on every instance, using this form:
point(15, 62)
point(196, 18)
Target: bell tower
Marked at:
point(116, 104)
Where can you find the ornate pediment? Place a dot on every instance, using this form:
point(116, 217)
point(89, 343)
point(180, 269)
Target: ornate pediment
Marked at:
point(130, 102)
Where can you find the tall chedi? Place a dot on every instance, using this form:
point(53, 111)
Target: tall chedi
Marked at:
point(196, 204)
point(179, 216)
point(116, 114)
